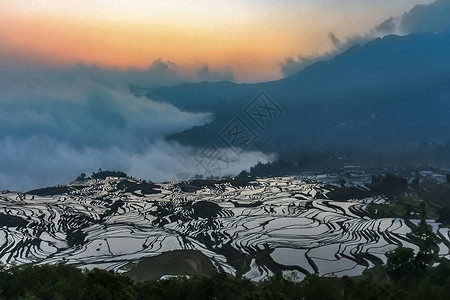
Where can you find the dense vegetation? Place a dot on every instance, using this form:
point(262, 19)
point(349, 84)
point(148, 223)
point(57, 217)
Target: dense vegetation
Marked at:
point(242, 179)
point(401, 278)
point(417, 200)
point(100, 174)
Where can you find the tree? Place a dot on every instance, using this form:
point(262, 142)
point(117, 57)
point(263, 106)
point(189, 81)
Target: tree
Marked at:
point(400, 261)
point(82, 177)
point(104, 174)
point(426, 235)
point(444, 215)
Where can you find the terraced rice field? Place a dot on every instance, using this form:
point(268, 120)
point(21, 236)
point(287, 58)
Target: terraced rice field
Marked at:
point(271, 225)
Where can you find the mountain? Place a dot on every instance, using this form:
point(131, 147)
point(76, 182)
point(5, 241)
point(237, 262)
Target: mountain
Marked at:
point(387, 98)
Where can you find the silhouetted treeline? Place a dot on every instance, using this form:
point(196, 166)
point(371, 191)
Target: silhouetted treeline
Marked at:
point(401, 278)
point(276, 168)
point(294, 163)
point(439, 194)
point(100, 174)
point(416, 200)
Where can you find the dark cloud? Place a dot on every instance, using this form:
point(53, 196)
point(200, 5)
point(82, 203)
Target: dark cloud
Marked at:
point(388, 26)
point(433, 17)
point(333, 38)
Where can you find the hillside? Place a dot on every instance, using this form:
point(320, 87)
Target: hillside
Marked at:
point(388, 98)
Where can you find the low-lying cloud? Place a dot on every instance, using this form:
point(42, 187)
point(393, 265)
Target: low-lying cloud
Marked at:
point(159, 73)
point(55, 124)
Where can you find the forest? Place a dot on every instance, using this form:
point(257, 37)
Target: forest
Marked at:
point(403, 277)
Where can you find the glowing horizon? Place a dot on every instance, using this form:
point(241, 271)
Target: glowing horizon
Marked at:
point(250, 37)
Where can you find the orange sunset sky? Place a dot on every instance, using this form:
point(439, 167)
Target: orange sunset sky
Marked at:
point(251, 37)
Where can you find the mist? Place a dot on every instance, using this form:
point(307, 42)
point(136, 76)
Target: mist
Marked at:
point(57, 123)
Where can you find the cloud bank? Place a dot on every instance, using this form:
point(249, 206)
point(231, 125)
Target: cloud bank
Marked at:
point(57, 123)
point(159, 73)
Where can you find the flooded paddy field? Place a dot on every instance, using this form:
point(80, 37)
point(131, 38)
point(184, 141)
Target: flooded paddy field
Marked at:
point(288, 225)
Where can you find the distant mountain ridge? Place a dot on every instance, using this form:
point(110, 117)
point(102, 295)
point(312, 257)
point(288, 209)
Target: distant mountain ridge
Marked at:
point(386, 58)
point(389, 96)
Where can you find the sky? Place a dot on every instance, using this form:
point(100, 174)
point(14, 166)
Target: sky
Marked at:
point(65, 68)
point(248, 37)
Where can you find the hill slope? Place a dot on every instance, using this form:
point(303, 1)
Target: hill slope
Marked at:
point(390, 97)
